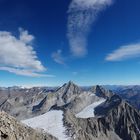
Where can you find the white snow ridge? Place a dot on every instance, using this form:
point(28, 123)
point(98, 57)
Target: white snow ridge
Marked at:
point(51, 122)
point(88, 111)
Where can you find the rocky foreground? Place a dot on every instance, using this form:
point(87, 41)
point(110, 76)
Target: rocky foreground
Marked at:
point(11, 129)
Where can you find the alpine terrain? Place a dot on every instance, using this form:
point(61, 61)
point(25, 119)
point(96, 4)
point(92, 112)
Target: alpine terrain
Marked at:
point(69, 112)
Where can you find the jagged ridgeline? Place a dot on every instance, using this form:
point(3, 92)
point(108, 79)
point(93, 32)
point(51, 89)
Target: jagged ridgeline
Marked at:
point(68, 112)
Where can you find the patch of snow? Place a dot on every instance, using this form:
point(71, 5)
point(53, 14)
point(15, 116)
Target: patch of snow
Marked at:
point(51, 122)
point(22, 87)
point(88, 111)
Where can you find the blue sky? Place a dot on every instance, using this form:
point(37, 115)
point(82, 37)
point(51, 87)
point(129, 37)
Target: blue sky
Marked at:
point(50, 42)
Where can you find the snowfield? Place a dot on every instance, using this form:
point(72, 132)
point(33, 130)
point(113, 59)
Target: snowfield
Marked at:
point(88, 111)
point(51, 122)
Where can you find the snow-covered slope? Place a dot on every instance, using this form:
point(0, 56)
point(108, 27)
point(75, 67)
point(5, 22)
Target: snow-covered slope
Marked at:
point(51, 122)
point(88, 111)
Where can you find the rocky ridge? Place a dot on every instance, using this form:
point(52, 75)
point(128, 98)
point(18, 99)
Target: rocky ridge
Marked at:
point(115, 120)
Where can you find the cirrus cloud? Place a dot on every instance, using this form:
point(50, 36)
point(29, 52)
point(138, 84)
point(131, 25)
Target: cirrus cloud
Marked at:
point(58, 57)
point(18, 56)
point(124, 52)
point(82, 14)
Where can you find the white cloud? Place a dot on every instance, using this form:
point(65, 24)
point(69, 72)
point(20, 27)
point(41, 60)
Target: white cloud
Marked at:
point(124, 52)
point(24, 72)
point(25, 36)
point(82, 14)
point(17, 55)
point(58, 58)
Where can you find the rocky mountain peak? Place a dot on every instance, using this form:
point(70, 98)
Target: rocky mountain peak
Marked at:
point(101, 91)
point(68, 91)
point(70, 84)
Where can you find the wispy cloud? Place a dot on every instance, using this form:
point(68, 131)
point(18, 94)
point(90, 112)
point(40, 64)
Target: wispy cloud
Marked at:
point(124, 52)
point(82, 14)
point(24, 72)
point(58, 57)
point(17, 54)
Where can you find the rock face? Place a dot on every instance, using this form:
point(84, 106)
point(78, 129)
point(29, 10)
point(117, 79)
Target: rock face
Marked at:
point(115, 120)
point(121, 118)
point(101, 92)
point(68, 92)
point(11, 129)
point(82, 101)
point(61, 96)
point(18, 102)
point(45, 104)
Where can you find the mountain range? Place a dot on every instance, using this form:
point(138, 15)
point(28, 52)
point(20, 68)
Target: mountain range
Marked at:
point(69, 112)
